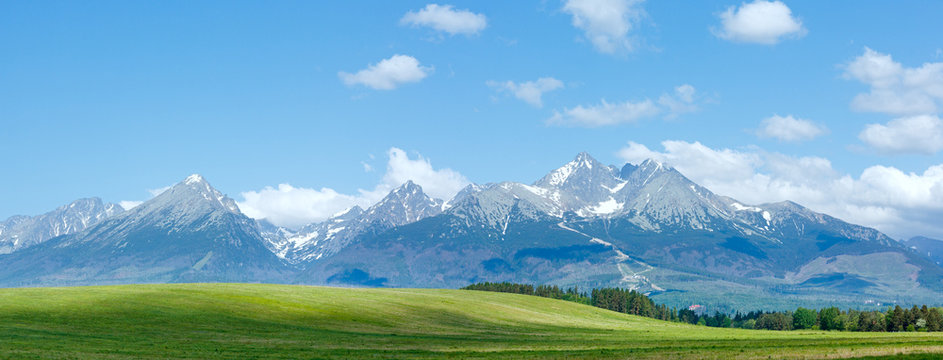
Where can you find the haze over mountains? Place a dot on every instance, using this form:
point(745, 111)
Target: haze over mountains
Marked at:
point(643, 226)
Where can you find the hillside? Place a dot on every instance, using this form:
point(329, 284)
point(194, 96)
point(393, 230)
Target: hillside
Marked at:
point(279, 321)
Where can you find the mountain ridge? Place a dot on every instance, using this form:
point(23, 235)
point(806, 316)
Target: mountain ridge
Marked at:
point(21, 231)
point(645, 227)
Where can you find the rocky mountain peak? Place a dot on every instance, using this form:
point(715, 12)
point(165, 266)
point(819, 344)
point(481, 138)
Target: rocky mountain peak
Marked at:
point(405, 204)
point(352, 212)
point(23, 231)
point(194, 191)
point(581, 167)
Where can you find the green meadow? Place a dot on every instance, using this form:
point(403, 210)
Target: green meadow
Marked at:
point(250, 321)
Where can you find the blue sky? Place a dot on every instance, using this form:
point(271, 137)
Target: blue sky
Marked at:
point(832, 104)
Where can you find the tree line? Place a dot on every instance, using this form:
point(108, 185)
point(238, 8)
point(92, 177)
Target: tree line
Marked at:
point(831, 318)
point(615, 299)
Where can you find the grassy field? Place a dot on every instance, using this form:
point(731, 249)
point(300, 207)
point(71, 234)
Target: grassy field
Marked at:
point(275, 321)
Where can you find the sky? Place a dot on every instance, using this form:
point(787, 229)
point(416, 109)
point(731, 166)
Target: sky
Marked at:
point(298, 110)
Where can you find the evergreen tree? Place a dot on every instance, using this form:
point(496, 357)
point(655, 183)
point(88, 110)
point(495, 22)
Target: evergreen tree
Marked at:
point(934, 320)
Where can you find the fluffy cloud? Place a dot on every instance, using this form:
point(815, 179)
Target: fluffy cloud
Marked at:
point(606, 23)
point(682, 100)
point(895, 89)
point(889, 199)
point(388, 73)
point(444, 18)
point(530, 92)
point(916, 94)
point(922, 134)
point(290, 206)
point(286, 205)
point(761, 22)
point(790, 129)
point(605, 113)
point(441, 183)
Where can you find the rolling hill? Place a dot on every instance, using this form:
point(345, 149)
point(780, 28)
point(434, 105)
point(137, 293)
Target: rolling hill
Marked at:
point(281, 321)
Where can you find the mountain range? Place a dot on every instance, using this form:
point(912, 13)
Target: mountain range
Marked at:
point(642, 226)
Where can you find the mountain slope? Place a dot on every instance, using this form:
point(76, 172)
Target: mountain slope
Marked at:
point(23, 231)
point(191, 232)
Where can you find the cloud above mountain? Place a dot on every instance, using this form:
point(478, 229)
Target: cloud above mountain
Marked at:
point(922, 134)
point(291, 206)
point(759, 22)
point(893, 88)
point(897, 202)
point(607, 24)
point(914, 95)
point(530, 92)
point(684, 99)
point(445, 18)
point(790, 129)
point(388, 74)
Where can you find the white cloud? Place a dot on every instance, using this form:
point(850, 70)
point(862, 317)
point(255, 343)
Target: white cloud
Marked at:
point(289, 206)
point(388, 73)
point(441, 183)
point(916, 94)
point(790, 129)
point(605, 113)
point(530, 92)
point(898, 203)
point(696, 160)
point(606, 23)
point(895, 89)
point(682, 100)
point(444, 18)
point(922, 134)
point(286, 205)
point(761, 22)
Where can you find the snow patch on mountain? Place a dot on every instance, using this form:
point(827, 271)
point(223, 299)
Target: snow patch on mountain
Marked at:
point(741, 207)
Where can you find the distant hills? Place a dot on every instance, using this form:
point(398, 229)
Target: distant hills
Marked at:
point(643, 226)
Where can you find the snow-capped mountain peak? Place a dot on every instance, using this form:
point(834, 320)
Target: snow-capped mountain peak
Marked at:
point(347, 214)
point(196, 189)
point(403, 205)
point(23, 231)
point(194, 179)
point(581, 165)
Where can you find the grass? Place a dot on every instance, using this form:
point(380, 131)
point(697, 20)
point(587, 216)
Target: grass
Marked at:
point(278, 321)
